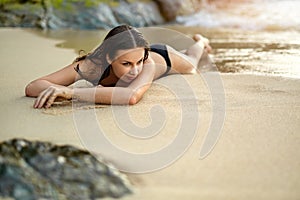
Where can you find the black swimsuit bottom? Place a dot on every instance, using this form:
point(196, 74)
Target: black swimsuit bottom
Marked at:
point(161, 49)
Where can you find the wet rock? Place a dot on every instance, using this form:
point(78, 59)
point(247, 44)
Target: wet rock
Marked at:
point(41, 170)
point(170, 9)
point(92, 14)
point(21, 15)
point(138, 14)
point(78, 14)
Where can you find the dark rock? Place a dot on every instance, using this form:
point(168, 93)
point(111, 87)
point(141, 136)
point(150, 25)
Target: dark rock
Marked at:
point(138, 14)
point(25, 15)
point(34, 170)
point(78, 14)
point(170, 9)
point(92, 14)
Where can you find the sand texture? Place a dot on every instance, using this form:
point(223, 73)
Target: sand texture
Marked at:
point(256, 156)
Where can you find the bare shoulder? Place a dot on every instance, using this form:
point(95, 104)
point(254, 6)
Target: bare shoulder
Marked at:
point(158, 63)
point(149, 60)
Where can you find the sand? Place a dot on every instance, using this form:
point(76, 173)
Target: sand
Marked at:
point(256, 156)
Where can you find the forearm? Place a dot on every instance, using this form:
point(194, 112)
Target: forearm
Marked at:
point(34, 88)
point(106, 95)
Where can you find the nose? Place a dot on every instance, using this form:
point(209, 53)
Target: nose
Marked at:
point(134, 70)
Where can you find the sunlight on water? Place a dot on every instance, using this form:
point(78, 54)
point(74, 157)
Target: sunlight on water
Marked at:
point(262, 37)
point(250, 15)
point(269, 53)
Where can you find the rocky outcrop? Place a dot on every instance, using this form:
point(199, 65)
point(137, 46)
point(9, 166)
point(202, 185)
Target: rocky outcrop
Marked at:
point(170, 9)
point(79, 14)
point(92, 14)
point(22, 15)
point(41, 170)
point(138, 14)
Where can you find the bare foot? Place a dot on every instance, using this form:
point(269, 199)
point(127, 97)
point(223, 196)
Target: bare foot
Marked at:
point(207, 47)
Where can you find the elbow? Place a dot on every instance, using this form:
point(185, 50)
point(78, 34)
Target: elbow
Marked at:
point(134, 99)
point(28, 91)
point(125, 96)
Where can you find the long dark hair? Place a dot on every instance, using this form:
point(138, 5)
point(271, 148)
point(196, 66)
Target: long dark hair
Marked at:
point(122, 37)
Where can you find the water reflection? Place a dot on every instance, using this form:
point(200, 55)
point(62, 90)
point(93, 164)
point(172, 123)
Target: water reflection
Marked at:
point(276, 53)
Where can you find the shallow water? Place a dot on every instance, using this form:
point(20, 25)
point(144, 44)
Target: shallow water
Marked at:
point(275, 53)
point(262, 36)
point(260, 52)
point(247, 15)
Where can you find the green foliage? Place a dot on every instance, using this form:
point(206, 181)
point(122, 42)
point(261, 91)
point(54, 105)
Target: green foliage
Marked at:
point(59, 3)
point(20, 1)
point(67, 3)
point(87, 3)
point(56, 3)
point(7, 1)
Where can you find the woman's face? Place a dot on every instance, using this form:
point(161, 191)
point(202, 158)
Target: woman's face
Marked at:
point(128, 64)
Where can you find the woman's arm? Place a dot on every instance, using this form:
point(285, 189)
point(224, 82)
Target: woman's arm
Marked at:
point(105, 95)
point(61, 78)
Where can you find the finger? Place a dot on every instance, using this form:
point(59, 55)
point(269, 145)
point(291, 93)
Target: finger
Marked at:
point(38, 99)
point(44, 98)
point(35, 103)
point(51, 100)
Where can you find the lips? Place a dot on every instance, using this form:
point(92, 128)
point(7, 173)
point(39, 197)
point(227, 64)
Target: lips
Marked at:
point(131, 78)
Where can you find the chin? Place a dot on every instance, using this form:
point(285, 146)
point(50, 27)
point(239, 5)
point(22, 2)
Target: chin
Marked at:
point(128, 80)
point(125, 80)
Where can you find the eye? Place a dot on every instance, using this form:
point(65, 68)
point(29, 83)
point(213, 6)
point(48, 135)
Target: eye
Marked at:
point(140, 61)
point(126, 64)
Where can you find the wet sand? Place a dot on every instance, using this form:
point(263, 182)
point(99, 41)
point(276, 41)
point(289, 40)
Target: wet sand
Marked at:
point(256, 157)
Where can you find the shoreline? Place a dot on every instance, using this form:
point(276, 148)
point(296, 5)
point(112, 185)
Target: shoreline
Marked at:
point(256, 156)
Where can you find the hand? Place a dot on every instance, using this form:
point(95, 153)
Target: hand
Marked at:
point(47, 97)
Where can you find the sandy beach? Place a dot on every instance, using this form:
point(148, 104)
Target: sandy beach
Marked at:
point(256, 157)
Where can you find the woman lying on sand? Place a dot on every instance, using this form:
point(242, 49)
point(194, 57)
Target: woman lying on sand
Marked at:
point(122, 69)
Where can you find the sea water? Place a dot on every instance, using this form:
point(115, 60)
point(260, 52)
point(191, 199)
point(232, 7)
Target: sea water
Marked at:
point(254, 36)
point(248, 15)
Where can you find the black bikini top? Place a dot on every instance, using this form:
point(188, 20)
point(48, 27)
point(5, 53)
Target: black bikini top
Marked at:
point(96, 81)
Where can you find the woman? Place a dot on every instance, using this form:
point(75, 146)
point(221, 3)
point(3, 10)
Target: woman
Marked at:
point(122, 69)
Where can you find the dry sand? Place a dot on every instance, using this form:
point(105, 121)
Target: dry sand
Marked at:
point(256, 157)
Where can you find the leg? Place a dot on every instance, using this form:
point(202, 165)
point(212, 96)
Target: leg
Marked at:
point(186, 62)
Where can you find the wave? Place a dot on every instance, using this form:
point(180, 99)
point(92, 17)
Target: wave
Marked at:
point(249, 15)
